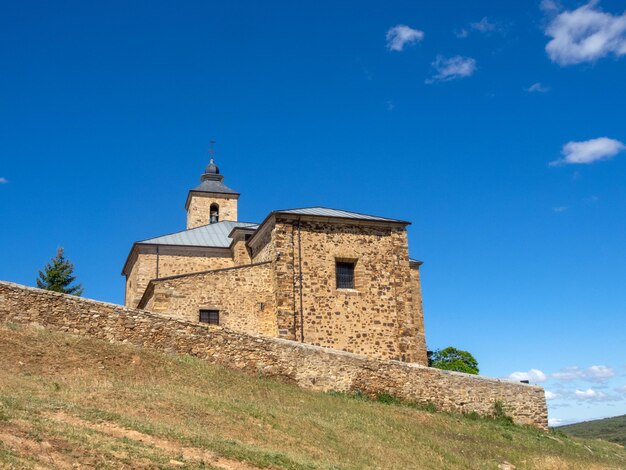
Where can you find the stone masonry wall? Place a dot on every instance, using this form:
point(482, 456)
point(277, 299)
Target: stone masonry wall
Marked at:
point(243, 295)
point(420, 337)
point(240, 252)
point(199, 210)
point(172, 261)
point(264, 249)
point(380, 317)
point(305, 365)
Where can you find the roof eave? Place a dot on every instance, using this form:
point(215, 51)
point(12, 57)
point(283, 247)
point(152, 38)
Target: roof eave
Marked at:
point(243, 229)
point(259, 228)
point(130, 253)
point(343, 219)
point(138, 244)
point(324, 217)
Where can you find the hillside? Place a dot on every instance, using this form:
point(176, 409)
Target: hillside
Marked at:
point(610, 429)
point(66, 399)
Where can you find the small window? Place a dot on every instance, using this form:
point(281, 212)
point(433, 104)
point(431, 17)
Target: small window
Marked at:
point(214, 214)
point(212, 317)
point(345, 275)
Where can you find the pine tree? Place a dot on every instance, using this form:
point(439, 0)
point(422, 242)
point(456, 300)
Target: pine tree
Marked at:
point(57, 276)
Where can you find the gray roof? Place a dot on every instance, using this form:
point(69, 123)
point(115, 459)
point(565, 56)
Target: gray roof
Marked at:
point(211, 235)
point(326, 212)
point(211, 181)
point(214, 186)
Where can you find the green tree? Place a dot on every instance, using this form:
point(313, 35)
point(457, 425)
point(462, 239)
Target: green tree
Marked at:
point(453, 359)
point(58, 276)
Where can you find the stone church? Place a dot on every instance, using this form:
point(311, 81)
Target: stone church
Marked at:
point(321, 276)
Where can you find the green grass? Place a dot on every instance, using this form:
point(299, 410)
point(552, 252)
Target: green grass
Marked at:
point(610, 429)
point(67, 399)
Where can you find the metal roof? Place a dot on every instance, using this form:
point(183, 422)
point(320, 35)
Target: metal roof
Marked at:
point(211, 181)
point(211, 235)
point(214, 186)
point(326, 212)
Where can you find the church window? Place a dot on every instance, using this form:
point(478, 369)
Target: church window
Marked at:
point(345, 274)
point(212, 317)
point(214, 216)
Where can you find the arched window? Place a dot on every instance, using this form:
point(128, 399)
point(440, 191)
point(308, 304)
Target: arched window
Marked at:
point(214, 214)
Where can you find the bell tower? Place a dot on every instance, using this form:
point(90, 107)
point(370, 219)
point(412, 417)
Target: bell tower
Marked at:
point(211, 201)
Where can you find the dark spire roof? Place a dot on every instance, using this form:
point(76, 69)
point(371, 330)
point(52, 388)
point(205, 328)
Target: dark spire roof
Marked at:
point(211, 181)
point(212, 168)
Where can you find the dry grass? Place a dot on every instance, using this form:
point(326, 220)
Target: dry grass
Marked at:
point(66, 400)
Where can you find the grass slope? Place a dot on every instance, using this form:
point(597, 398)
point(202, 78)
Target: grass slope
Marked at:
point(610, 429)
point(66, 399)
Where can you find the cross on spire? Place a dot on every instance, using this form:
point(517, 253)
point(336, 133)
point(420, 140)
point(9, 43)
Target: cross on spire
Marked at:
point(211, 168)
point(212, 149)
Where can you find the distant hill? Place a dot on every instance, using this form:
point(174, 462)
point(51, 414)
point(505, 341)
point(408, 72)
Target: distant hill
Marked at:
point(609, 429)
point(68, 400)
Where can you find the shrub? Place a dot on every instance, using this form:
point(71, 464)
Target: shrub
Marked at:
point(499, 413)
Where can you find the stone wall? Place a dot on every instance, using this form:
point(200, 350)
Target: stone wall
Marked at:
point(263, 248)
point(171, 262)
point(380, 317)
point(243, 295)
point(419, 336)
point(305, 365)
point(241, 255)
point(199, 208)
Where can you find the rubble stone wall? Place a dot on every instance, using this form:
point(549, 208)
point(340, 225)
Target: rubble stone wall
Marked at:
point(199, 209)
point(243, 296)
point(171, 261)
point(380, 317)
point(308, 366)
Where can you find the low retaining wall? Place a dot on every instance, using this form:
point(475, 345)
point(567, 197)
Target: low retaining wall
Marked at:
point(305, 365)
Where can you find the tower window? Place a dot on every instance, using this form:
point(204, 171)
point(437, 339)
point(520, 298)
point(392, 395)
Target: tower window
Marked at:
point(214, 214)
point(344, 271)
point(212, 317)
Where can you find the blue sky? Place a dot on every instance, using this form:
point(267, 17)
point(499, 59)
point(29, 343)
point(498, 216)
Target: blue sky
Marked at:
point(497, 128)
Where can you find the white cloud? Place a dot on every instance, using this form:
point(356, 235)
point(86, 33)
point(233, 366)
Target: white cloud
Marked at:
point(600, 373)
point(621, 389)
point(402, 35)
point(550, 6)
point(461, 33)
point(452, 68)
point(589, 151)
point(569, 373)
point(590, 394)
point(585, 34)
point(554, 421)
point(537, 88)
point(3, 180)
point(558, 209)
point(533, 375)
point(551, 395)
point(484, 26)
